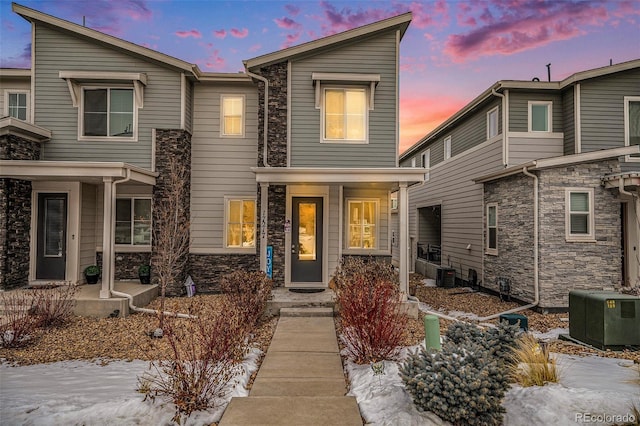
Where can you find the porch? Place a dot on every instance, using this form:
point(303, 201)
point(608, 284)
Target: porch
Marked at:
point(90, 304)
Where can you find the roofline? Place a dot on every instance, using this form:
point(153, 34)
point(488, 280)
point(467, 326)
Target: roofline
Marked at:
point(401, 21)
point(239, 77)
point(599, 72)
point(563, 160)
point(34, 15)
point(15, 72)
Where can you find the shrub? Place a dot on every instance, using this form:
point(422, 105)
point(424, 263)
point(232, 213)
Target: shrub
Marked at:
point(370, 270)
point(248, 292)
point(531, 364)
point(498, 341)
point(17, 323)
point(53, 307)
point(91, 270)
point(370, 311)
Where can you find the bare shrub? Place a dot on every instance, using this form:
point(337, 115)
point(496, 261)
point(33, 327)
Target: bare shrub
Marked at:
point(203, 361)
point(248, 292)
point(53, 307)
point(531, 364)
point(370, 312)
point(17, 323)
point(371, 270)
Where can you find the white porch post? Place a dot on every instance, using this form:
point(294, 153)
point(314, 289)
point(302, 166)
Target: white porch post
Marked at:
point(264, 220)
point(107, 237)
point(403, 212)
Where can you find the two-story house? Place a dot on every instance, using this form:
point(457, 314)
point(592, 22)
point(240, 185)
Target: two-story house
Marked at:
point(290, 164)
point(534, 184)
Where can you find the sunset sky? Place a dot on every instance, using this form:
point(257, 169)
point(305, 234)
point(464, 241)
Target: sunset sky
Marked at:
point(452, 51)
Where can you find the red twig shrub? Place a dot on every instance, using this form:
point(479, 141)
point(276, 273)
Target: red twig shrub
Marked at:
point(248, 292)
point(370, 311)
point(53, 307)
point(17, 323)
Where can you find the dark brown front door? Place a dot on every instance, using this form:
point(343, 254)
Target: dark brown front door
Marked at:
point(306, 240)
point(51, 256)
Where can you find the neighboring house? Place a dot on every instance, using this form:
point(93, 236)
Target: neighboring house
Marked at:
point(534, 182)
point(291, 188)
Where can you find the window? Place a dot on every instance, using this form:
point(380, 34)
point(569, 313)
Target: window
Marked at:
point(232, 116)
point(241, 223)
point(363, 220)
point(492, 229)
point(426, 162)
point(579, 215)
point(413, 162)
point(108, 113)
point(492, 123)
point(632, 123)
point(133, 221)
point(17, 105)
point(447, 147)
point(345, 114)
point(540, 116)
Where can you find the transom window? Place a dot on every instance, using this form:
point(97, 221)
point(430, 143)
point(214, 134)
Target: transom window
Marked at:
point(17, 105)
point(579, 215)
point(492, 123)
point(241, 223)
point(232, 115)
point(108, 112)
point(363, 221)
point(345, 114)
point(133, 221)
point(632, 123)
point(540, 116)
point(492, 229)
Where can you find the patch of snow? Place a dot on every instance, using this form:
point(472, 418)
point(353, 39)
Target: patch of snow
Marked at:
point(549, 335)
point(428, 282)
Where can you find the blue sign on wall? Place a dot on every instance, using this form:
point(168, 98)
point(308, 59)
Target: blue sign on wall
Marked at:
point(269, 270)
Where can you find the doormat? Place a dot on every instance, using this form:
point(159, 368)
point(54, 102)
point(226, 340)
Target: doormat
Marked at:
point(306, 290)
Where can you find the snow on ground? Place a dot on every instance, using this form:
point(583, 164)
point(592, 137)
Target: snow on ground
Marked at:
point(81, 392)
point(550, 335)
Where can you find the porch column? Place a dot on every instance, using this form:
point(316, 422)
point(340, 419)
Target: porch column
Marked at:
point(107, 237)
point(264, 219)
point(403, 216)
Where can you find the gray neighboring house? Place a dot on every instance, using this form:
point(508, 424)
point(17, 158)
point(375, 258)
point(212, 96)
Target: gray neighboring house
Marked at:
point(280, 176)
point(537, 183)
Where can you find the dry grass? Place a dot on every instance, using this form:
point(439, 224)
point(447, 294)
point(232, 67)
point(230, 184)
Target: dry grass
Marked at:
point(530, 363)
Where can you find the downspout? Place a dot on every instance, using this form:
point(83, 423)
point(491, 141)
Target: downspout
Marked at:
point(113, 261)
point(536, 284)
point(504, 124)
point(265, 163)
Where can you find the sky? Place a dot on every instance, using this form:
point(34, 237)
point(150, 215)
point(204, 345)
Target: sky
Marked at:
point(452, 51)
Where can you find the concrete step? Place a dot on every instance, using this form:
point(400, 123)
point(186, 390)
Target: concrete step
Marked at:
point(299, 387)
point(285, 411)
point(306, 312)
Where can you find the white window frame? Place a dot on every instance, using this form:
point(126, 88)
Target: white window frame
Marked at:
point(108, 87)
point(223, 134)
point(225, 231)
point(490, 113)
point(367, 107)
point(132, 198)
point(590, 236)
point(488, 249)
point(627, 130)
point(549, 105)
point(413, 162)
point(27, 94)
point(447, 147)
point(376, 234)
point(426, 162)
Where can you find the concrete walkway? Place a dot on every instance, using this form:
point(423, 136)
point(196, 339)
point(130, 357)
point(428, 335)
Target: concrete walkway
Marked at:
point(300, 381)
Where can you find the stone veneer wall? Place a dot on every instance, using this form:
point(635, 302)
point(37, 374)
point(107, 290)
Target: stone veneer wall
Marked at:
point(15, 214)
point(127, 264)
point(174, 143)
point(563, 265)
point(207, 269)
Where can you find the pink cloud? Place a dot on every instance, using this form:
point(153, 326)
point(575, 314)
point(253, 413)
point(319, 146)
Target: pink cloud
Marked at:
point(214, 61)
point(237, 33)
point(290, 40)
point(412, 64)
point(255, 48)
point(292, 9)
point(220, 33)
point(108, 16)
point(287, 23)
point(517, 26)
point(23, 60)
point(190, 33)
point(335, 20)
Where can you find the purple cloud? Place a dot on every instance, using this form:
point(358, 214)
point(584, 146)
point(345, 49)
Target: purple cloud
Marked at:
point(23, 60)
point(287, 23)
point(190, 33)
point(292, 9)
point(220, 33)
point(108, 16)
point(237, 33)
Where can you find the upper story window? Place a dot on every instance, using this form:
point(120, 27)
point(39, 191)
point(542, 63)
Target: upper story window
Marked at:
point(345, 114)
point(363, 221)
point(426, 162)
point(579, 214)
point(240, 222)
point(108, 112)
point(447, 147)
point(492, 229)
point(133, 221)
point(632, 123)
point(492, 123)
point(17, 104)
point(540, 116)
point(413, 162)
point(232, 116)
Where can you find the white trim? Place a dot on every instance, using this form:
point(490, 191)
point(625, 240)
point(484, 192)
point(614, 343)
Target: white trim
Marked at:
point(425, 159)
point(87, 138)
point(493, 110)
point(505, 128)
point(218, 250)
point(340, 221)
point(33, 74)
point(414, 162)
point(537, 135)
point(132, 199)
point(10, 125)
point(376, 235)
point(289, 91)
point(627, 100)
point(367, 107)
point(27, 93)
point(577, 119)
point(591, 235)
point(320, 175)
point(242, 198)
point(243, 98)
point(397, 94)
point(490, 250)
point(153, 149)
point(183, 101)
point(447, 148)
point(549, 105)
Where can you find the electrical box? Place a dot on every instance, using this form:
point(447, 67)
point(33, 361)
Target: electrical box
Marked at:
point(604, 319)
point(446, 277)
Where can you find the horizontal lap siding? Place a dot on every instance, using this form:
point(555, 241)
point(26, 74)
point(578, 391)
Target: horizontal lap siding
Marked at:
point(220, 166)
point(524, 149)
point(376, 55)
point(519, 109)
point(88, 228)
point(569, 121)
point(57, 51)
point(334, 228)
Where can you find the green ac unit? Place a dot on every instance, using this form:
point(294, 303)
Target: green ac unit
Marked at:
point(604, 319)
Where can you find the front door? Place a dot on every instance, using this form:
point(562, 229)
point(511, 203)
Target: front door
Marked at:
point(306, 240)
point(51, 255)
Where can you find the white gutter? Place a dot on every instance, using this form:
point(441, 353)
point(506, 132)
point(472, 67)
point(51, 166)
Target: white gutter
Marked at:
point(536, 283)
point(265, 163)
point(505, 159)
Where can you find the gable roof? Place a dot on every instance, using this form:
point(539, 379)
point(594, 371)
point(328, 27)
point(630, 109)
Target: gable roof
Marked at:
point(400, 22)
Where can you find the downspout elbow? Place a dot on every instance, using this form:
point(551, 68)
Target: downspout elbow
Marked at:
point(265, 162)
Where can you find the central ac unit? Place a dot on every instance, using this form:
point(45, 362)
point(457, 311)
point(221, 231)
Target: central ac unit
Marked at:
point(446, 277)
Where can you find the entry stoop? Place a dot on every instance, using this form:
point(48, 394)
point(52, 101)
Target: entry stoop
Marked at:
point(306, 312)
point(282, 298)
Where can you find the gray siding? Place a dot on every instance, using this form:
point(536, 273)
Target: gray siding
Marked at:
point(523, 149)
point(56, 51)
point(334, 229)
point(219, 166)
point(88, 228)
point(519, 109)
point(569, 121)
point(11, 83)
point(188, 122)
point(376, 55)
